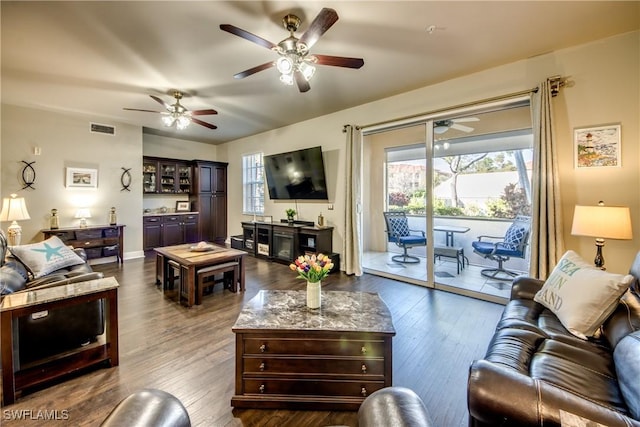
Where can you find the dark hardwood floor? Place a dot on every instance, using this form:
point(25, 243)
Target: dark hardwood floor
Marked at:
point(190, 352)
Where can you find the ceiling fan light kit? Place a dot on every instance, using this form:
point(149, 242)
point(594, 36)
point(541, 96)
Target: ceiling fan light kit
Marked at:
point(295, 64)
point(177, 115)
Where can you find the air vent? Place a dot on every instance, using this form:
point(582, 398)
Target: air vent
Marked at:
point(106, 129)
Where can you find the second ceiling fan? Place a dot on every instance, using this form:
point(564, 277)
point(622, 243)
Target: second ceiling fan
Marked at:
point(441, 126)
point(177, 114)
point(295, 62)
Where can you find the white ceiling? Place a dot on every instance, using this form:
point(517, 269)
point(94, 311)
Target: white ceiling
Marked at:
point(95, 58)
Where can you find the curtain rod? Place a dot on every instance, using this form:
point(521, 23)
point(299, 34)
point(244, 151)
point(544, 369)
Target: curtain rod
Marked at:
point(448, 109)
point(556, 82)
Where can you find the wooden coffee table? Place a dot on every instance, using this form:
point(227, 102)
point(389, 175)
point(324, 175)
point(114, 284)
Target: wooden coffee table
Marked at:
point(331, 358)
point(190, 261)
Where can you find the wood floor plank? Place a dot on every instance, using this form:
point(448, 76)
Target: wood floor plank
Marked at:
point(191, 352)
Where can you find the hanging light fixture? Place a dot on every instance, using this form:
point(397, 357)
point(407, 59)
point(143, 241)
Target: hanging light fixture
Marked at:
point(293, 54)
point(177, 115)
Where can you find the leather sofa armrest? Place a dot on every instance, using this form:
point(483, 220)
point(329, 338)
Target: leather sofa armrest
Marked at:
point(525, 287)
point(58, 280)
point(497, 395)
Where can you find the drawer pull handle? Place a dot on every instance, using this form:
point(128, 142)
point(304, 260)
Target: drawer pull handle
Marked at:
point(363, 350)
point(363, 392)
point(262, 367)
point(262, 388)
point(87, 243)
point(364, 368)
point(263, 348)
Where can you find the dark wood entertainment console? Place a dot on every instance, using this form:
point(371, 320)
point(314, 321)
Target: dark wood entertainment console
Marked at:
point(284, 242)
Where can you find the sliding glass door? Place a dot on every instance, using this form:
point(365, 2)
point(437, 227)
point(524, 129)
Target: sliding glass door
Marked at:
point(395, 180)
point(455, 178)
point(482, 167)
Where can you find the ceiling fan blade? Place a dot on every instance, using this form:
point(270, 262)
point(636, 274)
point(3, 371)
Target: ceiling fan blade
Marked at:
point(466, 119)
point(462, 128)
point(137, 109)
point(339, 61)
point(160, 101)
point(203, 112)
point(250, 71)
point(321, 23)
point(247, 35)
point(302, 83)
point(205, 124)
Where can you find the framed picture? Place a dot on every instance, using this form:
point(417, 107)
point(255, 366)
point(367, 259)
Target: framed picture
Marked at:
point(597, 146)
point(82, 178)
point(182, 206)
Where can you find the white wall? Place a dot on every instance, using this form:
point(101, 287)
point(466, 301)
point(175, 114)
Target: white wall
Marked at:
point(605, 89)
point(173, 148)
point(65, 141)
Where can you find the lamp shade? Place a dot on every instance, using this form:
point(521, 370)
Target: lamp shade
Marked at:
point(14, 209)
point(605, 222)
point(83, 213)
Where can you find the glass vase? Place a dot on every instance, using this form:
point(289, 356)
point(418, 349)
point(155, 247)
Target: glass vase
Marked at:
point(313, 295)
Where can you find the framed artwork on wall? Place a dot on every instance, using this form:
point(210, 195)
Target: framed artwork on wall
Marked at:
point(597, 146)
point(82, 178)
point(182, 206)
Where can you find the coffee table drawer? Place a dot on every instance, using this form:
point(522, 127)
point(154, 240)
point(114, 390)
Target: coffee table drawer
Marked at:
point(307, 387)
point(310, 346)
point(324, 366)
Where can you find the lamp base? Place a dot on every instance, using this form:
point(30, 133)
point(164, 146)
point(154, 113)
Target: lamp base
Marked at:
point(599, 260)
point(14, 234)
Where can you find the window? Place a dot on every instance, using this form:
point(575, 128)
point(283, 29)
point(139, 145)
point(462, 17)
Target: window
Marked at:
point(252, 184)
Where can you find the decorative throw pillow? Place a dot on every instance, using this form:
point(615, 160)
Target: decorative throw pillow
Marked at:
point(513, 237)
point(399, 226)
point(45, 257)
point(581, 295)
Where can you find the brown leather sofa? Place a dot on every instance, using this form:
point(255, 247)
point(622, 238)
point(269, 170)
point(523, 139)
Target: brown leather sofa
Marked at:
point(393, 407)
point(148, 408)
point(534, 369)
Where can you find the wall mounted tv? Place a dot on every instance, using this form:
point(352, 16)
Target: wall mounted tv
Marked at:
point(296, 175)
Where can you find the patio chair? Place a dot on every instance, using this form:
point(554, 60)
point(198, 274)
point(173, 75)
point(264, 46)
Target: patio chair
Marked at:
point(503, 248)
point(398, 232)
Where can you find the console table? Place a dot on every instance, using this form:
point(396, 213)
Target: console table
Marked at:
point(26, 303)
point(331, 358)
point(284, 242)
point(97, 240)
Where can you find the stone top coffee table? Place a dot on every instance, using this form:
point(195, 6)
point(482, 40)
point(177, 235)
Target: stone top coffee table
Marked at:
point(289, 356)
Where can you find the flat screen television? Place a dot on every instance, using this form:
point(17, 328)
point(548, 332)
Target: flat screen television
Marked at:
point(296, 175)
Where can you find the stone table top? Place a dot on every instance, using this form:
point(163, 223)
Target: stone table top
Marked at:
point(340, 311)
point(44, 295)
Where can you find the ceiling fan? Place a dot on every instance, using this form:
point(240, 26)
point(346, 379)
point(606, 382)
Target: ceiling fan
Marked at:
point(295, 61)
point(177, 114)
point(441, 126)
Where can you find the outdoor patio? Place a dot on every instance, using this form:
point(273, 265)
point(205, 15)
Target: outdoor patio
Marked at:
point(469, 281)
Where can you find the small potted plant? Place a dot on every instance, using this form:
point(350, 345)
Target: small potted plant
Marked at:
point(290, 214)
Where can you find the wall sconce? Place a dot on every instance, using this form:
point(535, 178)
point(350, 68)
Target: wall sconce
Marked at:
point(602, 222)
point(14, 209)
point(83, 214)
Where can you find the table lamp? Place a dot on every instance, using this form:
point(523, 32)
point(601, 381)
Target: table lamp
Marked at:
point(14, 209)
point(602, 222)
point(83, 214)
